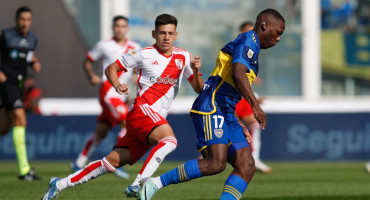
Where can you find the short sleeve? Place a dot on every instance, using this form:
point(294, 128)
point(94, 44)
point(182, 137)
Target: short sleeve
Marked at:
point(96, 52)
point(130, 59)
point(243, 53)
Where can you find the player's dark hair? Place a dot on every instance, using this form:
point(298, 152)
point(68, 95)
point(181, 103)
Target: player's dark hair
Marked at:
point(118, 17)
point(244, 24)
point(271, 12)
point(22, 9)
point(165, 19)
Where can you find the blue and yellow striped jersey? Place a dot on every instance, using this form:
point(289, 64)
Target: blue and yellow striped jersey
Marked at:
point(219, 92)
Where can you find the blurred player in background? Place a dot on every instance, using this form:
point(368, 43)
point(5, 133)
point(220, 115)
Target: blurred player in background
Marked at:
point(245, 114)
point(17, 46)
point(31, 95)
point(220, 137)
point(160, 70)
point(367, 167)
point(114, 108)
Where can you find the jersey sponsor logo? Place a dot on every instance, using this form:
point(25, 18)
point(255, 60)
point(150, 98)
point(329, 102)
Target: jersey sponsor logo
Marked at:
point(179, 63)
point(14, 54)
point(163, 80)
point(155, 63)
point(250, 53)
point(133, 52)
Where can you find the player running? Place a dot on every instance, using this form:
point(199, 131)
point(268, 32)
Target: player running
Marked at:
point(160, 70)
point(220, 137)
point(17, 46)
point(114, 108)
point(246, 115)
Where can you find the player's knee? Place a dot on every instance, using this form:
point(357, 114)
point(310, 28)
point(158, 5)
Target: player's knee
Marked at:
point(247, 168)
point(216, 167)
point(170, 142)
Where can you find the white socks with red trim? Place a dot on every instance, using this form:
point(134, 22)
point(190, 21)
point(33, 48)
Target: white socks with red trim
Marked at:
point(91, 171)
point(88, 150)
point(156, 156)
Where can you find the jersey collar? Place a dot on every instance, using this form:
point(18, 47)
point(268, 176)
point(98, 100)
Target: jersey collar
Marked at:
point(159, 51)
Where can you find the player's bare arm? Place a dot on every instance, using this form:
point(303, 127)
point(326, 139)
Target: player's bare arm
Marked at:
point(36, 65)
point(197, 82)
point(242, 85)
point(111, 73)
point(93, 78)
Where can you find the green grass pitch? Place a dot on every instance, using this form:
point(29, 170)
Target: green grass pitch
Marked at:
point(288, 181)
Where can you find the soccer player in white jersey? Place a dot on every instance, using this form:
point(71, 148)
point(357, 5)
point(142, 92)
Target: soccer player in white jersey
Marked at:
point(114, 108)
point(160, 70)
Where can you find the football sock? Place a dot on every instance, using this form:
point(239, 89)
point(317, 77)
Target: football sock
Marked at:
point(91, 171)
point(185, 172)
point(88, 150)
point(234, 188)
point(256, 142)
point(155, 158)
point(19, 140)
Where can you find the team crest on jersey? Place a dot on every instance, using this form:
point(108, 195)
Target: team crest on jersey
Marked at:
point(179, 63)
point(219, 132)
point(250, 53)
point(133, 52)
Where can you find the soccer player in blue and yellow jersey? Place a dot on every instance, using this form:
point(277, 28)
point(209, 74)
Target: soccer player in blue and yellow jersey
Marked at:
point(220, 137)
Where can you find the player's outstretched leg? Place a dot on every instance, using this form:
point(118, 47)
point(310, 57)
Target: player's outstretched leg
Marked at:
point(91, 171)
point(214, 162)
point(165, 146)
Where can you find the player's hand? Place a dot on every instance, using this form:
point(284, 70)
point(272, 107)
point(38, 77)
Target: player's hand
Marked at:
point(121, 88)
point(247, 135)
point(95, 79)
point(195, 64)
point(260, 116)
point(2, 77)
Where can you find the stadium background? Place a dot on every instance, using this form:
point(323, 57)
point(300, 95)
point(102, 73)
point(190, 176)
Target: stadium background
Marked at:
point(315, 111)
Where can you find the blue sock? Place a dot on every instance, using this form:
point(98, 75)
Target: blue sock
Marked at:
point(185, 172)
point(234, 188)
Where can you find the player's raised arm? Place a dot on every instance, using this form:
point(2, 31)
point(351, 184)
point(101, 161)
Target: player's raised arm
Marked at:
point(243, 86)
point(111, 73)
point(197, 82)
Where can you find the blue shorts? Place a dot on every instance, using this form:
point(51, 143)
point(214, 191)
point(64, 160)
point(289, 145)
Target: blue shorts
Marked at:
point(219, 128)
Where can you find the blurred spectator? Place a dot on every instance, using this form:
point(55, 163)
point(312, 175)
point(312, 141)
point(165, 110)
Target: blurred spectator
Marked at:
point(31, 95)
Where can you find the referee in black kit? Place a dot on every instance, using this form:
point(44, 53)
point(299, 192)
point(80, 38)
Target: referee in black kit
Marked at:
point(17, 46)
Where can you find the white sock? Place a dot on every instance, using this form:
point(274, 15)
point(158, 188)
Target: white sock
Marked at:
point(91, 171)
point(256, 141)
point(155, 158)
point(88, 150)
point(157, 181)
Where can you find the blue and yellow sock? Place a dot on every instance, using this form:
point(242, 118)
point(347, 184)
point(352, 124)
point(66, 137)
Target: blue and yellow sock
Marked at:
point(185, 172)
point(19, 140)
point(234, 188)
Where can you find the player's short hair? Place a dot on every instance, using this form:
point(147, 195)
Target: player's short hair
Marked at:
point(165, 19)
point(244, 24)
point(22, 9)
point(118, 17)
point(271, 12)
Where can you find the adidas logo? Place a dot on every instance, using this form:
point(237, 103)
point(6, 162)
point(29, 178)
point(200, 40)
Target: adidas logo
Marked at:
point(155, 63)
